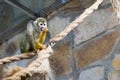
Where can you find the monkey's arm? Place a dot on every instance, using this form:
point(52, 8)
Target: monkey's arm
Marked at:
point(42, 36)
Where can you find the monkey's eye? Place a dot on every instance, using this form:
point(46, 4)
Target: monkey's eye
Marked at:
point(44, 24)
point(40, 24)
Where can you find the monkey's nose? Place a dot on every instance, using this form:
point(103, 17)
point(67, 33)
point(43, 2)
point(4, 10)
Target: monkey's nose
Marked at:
point(44, 29)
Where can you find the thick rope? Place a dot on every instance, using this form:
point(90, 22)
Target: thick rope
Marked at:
point(16, 57)
point(61, 35)
point(33, 67)
point(116, 7)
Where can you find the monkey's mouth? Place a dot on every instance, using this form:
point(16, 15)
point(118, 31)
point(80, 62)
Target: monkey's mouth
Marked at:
point(44, 29)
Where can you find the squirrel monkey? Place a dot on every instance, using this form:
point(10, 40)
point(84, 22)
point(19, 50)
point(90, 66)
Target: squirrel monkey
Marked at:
point(42, 23)
point(35, 35)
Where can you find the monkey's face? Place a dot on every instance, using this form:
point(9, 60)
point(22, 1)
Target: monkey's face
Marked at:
point(41, 23)
point(43, 26)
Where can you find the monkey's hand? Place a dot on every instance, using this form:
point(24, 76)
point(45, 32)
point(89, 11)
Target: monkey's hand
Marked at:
point(39, 45)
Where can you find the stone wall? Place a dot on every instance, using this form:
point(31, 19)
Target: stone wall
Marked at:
point(89, 52)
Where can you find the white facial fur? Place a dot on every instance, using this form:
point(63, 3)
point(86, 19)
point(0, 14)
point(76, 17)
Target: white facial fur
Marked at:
point(42, 25)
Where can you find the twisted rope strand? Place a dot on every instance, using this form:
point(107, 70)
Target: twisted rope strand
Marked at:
point(25, 72)
point(16, 57)
point(33, 67)
point(116, 7)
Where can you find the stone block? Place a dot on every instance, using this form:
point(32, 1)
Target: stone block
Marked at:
point(95, 73)
point(60, 61)
point(96, 23)
point(114, 75)
point(96, 49)
point(116, 62)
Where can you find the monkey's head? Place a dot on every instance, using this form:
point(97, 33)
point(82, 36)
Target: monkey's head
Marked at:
point(41, 24)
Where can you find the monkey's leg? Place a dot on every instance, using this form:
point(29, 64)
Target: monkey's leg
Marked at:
point(24, 45)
